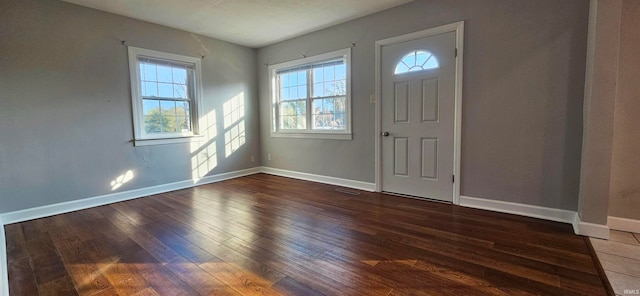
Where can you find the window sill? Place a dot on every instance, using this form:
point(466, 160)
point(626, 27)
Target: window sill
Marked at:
point(165, 141)
point(327, 136)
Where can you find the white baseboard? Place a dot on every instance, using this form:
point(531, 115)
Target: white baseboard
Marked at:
point(80, 204)
point(565, 216)
point(624, 224)
point(4, 273)
point(590, 229)
point(320, 179)
point(518, 209)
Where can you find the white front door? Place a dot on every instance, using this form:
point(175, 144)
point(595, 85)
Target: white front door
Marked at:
point(418, 111)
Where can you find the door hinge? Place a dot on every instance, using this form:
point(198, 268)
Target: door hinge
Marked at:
point(453, 178)
point(456, 52)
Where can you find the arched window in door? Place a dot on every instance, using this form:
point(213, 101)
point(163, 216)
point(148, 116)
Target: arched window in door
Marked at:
point(417, 60)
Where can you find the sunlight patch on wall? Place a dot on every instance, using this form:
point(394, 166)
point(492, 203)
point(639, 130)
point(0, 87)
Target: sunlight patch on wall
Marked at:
point(234, 124)
point(204, 161)
point(234, 138)
point(233, 110)
point(209, 123)
point(203, 153)
point(121, 180)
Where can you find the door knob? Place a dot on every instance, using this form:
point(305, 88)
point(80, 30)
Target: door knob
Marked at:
point(385, 134)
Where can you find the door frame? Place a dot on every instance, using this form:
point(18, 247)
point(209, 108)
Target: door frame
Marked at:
point(458, 28)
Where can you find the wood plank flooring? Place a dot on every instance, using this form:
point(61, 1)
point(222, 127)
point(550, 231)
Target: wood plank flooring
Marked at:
point(268, 235)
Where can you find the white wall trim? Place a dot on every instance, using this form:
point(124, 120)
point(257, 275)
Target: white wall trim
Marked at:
point(458, 28)
point(320, 179)
point(623, 224)
point(4, 274)
point(590, 229)
point(551, 214)
point(80, 204)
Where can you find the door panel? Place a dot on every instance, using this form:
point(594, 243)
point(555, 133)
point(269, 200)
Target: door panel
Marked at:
point(429, 158)
point(401, 159)
point(401, 98)
point(418, 113)
point(430, 100)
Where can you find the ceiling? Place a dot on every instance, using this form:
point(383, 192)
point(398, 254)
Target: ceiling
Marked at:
point(252, 23)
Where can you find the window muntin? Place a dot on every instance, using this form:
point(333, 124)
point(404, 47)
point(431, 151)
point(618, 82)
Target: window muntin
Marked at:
point(311, 95)
point(418, 60)
point(165, 94)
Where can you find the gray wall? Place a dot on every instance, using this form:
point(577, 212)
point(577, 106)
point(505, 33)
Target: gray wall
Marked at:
point(522, 95)
point(625, 161)
point(65, 106)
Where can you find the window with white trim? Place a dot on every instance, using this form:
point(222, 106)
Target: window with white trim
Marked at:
point(166, 94)
point(311, 97)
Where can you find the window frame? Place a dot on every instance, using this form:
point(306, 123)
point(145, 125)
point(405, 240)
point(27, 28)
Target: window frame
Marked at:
point(141, 137)
point(309, 132)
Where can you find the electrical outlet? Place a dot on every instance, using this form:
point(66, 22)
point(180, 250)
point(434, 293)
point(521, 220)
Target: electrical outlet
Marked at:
point(372, 99)
point(269, 156)
point(253, 159)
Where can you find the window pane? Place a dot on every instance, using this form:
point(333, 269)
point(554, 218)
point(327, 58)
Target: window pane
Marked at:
point(409, 59)
point(301, 122)
point(164, 74)
point(166, 116)
point(180, 91)
point(150, 106)
point(301, 107)
point(149, 72)
point(401, 68)
point(179, 76)
point(328, 106)
point(341, 72)
point(421, 58)
point(340, 104)
point(141, 71)
point(293, 79)
point(149, 89)
point(287, 122)
point(286, 109)
point(302, 78)
point(329, 113)
point(165, 90)
point(431, 63)
point(168, 109)
point(184, 112)
point(341, 88)
point(152, 116)
point(302, 91)
point(318, 90)
point(318, 75)
point(330, 89)
point(329, 73)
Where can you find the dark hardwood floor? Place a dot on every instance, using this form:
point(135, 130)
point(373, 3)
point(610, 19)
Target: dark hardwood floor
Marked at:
point(276, 236)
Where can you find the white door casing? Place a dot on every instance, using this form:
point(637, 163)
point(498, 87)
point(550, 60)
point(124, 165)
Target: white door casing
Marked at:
point(418, 118)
